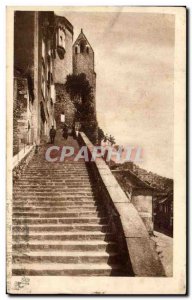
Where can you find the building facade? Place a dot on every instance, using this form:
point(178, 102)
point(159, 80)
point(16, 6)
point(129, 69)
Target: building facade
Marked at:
point(34, 89)
point(163, 213)
point(63, 66)
point(44, 55)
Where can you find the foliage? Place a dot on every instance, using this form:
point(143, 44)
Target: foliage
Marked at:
point(105, 138)
point(111, 140)
point(81, 94)
point(101, 135)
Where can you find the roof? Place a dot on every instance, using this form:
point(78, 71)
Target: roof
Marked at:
point(63, 20)
point(80, 37)
point(138, 183)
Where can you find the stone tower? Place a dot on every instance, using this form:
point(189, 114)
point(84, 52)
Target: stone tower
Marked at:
point(83, 60)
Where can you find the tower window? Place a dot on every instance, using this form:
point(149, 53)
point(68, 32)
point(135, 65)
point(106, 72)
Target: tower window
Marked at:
point(82, 47)
point(61, 37)
point(76, 50)
point(87, 49)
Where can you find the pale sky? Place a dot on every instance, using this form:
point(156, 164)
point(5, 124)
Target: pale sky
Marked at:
point(134, 62)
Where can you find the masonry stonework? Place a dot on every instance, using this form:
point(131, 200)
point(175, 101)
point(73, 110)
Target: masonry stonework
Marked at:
point(64, 39)
point(21, 115)
point(64, 105)
point(83, 61)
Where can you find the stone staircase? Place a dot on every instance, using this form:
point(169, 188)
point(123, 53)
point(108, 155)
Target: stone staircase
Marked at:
point(60, 226)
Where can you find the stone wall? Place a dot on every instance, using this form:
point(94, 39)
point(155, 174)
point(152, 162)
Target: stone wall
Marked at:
point(24, 30)
point(21, 115)
point(63, 66)
point(63, 105)
point(23, 163)
point(140, 197)
point(143, 204)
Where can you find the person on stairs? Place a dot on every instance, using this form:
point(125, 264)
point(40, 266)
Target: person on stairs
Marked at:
point(52, 134)
point(65, 131)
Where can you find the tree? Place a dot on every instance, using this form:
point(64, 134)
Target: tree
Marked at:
point(111, 140)
point(101, 135)
point(81, 94)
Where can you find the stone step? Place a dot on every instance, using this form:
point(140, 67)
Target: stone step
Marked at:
point(54, 190)
point(53, 185)
point(56, 209)
point(49, 175)
point(66, 246)
point(60, 228)
point(54, 203)
point(65, 257)
point(55, 194)
point(67, 236)
point(61, 198)
point(55, 166)
point(54, 179)
point(77, 220)
point(60, 168)
point(67, 270)
point(57, 215)
point(51, 198)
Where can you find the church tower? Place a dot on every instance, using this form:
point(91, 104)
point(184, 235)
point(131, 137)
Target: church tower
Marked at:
point(83, 61)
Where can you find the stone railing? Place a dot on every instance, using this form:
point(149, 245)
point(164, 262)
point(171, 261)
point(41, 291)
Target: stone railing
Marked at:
point(21, 160)
point(136, 248)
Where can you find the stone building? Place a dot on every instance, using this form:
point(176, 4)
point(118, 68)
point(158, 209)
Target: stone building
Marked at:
point(139, 193)
point(163, 212)
point(44, 55)
point(34, 89)
point(63, 66)
point(84, 62)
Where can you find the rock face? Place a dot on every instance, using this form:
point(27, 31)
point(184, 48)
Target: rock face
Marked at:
point(60, 226)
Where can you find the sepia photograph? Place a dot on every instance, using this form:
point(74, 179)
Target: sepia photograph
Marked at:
point(95, 168)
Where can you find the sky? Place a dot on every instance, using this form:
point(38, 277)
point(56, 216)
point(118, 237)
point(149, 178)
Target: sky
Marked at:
point(134, 62)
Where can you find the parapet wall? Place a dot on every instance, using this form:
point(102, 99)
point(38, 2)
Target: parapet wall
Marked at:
point(138, 250)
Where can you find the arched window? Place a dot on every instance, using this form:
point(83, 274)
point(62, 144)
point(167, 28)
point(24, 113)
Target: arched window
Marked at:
point(87, 49)
point(76, 49)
